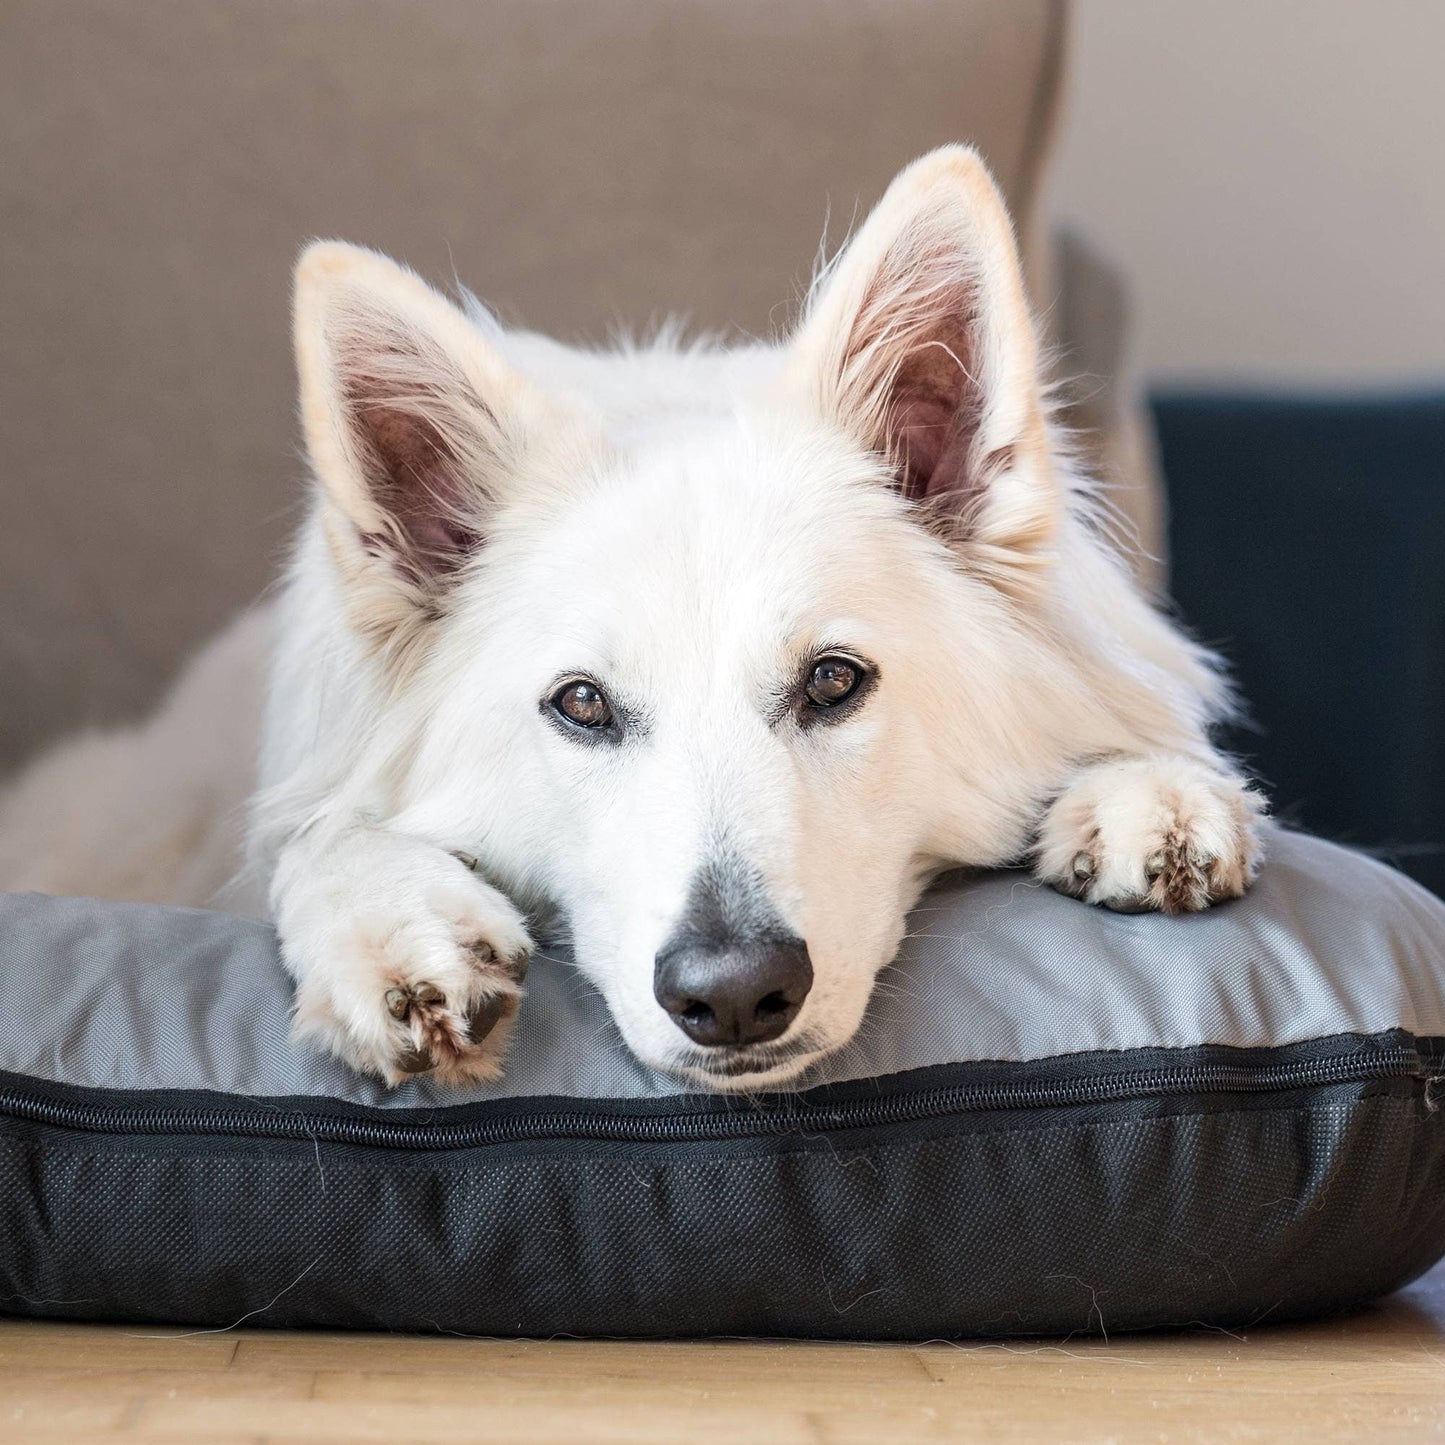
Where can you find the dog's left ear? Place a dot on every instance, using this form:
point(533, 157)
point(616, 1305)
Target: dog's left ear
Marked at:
point(918, 342)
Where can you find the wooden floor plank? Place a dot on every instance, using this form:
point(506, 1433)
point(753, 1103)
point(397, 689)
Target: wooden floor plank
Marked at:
point(1377, 1375)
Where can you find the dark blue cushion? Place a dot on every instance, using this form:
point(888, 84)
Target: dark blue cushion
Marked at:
point(1308, 542)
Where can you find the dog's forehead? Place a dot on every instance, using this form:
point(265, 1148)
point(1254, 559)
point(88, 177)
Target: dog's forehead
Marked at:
point(708, 558)
point(727, 516)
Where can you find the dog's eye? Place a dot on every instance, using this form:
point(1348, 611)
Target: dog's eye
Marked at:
point(832, 680)
point(582, 704)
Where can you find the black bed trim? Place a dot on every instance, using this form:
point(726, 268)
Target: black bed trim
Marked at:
point(1095, 1191)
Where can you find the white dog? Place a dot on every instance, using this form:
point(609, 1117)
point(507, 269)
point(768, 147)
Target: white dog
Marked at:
point(715, 656)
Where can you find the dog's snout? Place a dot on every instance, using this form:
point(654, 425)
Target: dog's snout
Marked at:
point(746, 992)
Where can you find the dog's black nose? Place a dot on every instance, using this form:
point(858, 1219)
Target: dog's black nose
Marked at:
point(739, 993)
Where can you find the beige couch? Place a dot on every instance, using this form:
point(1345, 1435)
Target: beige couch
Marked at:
point(577, 162)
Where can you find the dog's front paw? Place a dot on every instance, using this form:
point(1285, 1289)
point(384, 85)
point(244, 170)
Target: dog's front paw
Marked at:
point(1154, 833)
point(414, 971)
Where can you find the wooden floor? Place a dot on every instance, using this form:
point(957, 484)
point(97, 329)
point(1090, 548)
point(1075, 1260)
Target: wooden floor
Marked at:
point(1379, 1375)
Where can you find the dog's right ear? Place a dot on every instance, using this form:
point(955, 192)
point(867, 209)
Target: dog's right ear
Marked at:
point(413, 424)
point(918, 342)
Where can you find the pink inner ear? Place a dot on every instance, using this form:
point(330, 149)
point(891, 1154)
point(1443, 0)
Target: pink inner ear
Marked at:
point(913, 365)
point(935, 409)
point(416, 478)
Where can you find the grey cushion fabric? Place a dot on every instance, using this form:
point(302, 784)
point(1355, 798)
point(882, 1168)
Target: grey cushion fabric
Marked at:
point(127, 996)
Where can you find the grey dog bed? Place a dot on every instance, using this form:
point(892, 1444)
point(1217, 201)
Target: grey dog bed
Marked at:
point(1055, 1119)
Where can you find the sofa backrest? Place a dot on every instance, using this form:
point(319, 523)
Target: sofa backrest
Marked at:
point(578, 163)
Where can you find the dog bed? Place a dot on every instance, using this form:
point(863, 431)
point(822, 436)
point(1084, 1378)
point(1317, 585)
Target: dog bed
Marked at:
point(1055, 1119)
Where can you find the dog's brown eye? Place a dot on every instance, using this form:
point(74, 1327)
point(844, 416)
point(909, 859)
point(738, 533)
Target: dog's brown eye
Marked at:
point(582, 704)
point(833, 680)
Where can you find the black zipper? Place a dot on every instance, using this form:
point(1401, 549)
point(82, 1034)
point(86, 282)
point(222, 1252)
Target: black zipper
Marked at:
point(738, 1120)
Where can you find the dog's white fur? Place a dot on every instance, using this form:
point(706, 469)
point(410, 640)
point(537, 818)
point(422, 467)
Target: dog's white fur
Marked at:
point(689, 527)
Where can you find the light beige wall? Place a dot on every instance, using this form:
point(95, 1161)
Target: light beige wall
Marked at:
point(1271, 173)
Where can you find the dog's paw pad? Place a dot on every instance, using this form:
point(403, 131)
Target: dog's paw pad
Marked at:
point(415, 1061)
point(444, 1029)
point(485, 1014)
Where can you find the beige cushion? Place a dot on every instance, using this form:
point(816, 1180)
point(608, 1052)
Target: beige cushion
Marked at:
point(577, 162)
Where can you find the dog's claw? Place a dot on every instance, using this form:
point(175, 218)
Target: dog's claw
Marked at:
point(1083, 866)
point(426, 993)
point(398, 1002)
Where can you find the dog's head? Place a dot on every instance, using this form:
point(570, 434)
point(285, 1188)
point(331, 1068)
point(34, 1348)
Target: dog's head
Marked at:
point(720, 654)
